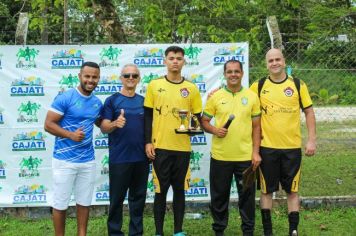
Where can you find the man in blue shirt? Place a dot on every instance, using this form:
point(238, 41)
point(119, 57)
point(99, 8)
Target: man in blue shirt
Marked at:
point(123, 119)
point(70, 119)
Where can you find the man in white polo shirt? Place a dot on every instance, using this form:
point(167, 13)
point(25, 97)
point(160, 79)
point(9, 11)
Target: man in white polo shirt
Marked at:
point(70, 119)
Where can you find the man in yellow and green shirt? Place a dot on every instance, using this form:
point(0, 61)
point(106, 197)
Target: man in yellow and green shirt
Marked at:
point(234, 149)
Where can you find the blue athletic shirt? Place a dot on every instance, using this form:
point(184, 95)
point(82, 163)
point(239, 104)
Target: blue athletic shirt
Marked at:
point(126, 144)
point(78, 111)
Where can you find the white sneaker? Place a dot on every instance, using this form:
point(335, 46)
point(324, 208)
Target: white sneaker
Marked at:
point(294, 233)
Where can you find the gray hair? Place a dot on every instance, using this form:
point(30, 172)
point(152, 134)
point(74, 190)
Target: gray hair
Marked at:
point(130, 65)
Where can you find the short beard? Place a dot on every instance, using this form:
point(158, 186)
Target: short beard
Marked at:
point(85, 90)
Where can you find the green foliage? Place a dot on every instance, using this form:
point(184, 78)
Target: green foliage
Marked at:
point(332, 54)
point(339, 83)
point(323, 97)
point(4, 10)
point(331, 18)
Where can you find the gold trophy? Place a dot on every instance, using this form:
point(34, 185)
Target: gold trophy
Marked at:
point(189, 123)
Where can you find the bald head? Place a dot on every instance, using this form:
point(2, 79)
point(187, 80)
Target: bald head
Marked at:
point(274, 52)
point(275, 63)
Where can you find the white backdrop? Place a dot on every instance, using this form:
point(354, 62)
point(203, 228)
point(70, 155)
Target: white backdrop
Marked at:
point(31, 76)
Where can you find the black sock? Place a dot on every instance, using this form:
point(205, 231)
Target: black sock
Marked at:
point(293, 218)
point(266, 221)
point(159, 210)
point(178, 209)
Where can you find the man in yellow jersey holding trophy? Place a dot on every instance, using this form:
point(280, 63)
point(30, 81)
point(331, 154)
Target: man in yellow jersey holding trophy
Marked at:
point(168, 104)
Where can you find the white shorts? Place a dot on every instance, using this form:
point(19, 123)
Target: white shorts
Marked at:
point(68, 177)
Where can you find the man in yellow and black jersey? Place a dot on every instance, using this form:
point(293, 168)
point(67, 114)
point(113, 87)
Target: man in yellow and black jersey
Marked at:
point(234, 148)
point(170, 152)
point(281, 102)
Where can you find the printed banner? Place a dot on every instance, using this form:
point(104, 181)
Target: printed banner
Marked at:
point(30, 78)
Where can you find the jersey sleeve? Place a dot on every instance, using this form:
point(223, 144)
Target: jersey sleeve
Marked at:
point(149, 96)
point(196, 105)
point(60, 104)
point(256, 107)
point(254, 87)
point(304, 95)
point(107, 111)
point(210, 108)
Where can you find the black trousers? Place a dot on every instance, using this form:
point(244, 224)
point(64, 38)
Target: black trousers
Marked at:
point(221, 174)
point(132, 177)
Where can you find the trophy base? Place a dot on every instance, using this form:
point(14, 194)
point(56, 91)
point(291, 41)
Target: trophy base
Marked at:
point(189, 131)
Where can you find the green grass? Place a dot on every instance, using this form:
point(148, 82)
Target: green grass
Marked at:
point(332, 171)
point(319, 221)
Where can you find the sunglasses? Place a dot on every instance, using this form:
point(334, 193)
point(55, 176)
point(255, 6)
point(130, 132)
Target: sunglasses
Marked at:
point(127, 76)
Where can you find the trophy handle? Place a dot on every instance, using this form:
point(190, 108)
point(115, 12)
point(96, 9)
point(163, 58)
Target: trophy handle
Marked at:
point(194, 122)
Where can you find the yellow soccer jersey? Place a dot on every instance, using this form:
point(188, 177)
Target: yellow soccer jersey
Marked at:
point(280, 107)
point(166, 99)
point(237, 144)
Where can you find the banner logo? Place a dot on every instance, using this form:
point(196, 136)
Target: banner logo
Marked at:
point(150, 190)
point(27, 86)
point(198, 140)
point(146, 79)
point(194, 160)
point(101, 141)
point(67, 59)
point(198, 80)
point(152, 57)
point(2, 170)
point(31, 141)
point(192, 54)
point(109, 57)
point(197, 188)
point(105, 165)
point(1, 116)
point(28, 112)
point(0, 60)
point(29, 167)
point(108, 85)
point(102, 193)
point(225, 54)
point(70, 81)
point(26, 58)
point(30, 194)
point(233, 190)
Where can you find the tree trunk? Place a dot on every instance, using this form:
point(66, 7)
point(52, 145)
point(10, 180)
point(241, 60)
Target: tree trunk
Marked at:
point(44, 31)
point(275, 34)
point(65, 22)
point(105, 13)
point(22, 28)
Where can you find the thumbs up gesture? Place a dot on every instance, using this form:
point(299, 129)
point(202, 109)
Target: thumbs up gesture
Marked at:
point(77, 135)
point(121, 120)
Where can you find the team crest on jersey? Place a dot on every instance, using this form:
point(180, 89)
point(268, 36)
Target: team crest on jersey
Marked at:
point(184, 92)
point(244, 101)
point(288, 92)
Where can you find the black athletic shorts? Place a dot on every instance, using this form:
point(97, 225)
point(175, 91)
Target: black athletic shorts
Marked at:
point(280, 166)
point(171, 168)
